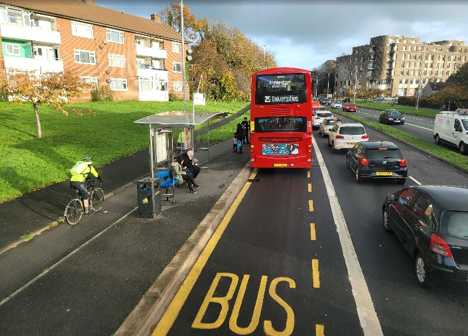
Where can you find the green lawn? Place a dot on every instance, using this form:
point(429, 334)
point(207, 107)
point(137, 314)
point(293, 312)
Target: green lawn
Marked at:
point(107, 135)
point(402, 108)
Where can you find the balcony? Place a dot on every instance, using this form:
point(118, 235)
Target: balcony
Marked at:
point(151, 52)
point(150, 72)
point(31, 64)
point(30, 34)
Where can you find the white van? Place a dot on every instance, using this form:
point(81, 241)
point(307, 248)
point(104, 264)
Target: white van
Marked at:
point(452, 128)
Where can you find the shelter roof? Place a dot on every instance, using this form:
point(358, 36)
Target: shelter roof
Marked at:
point(180, 119)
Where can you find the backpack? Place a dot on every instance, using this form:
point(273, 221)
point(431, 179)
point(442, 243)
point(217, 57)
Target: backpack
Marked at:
point(78, 168)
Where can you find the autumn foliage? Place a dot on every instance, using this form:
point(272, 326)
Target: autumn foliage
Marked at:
point(50, 89)
point(224, 59)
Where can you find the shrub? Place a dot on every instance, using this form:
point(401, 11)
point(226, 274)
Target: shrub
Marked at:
point(102, 93)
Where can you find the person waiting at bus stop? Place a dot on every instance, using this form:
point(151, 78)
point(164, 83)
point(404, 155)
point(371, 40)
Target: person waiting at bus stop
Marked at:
point(180, 174)
point(191, 163)
point(79, 173)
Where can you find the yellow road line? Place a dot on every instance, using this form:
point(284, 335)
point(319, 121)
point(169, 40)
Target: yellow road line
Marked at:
point(319, 330)
point(308, 174)
point(312, 231)
point(311, 205)
point(315, 273)
point(309, 187)
point(172, 312)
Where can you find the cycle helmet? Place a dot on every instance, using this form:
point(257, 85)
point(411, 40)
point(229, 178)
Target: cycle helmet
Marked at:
point(88, 159)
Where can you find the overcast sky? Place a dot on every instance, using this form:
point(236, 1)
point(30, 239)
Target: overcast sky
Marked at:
point(305, 34)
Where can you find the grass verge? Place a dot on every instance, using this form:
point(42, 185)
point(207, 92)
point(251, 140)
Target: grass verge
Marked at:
point(108, 134)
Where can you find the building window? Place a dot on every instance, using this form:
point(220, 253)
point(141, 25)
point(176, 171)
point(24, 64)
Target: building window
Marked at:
point(84, 56)
point(177, 86)
point(16, 17)
point(82, 29)
point(117, 61)
point(177, 47)
point(177, 67)
point(145, 84)
point(115, 36)
point(118, 84)
point(91, 80)
point(13, 49)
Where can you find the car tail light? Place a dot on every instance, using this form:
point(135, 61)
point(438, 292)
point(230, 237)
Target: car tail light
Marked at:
point(365, 136)
point(403, 163)
point(364, 162)
point(339, 136)
point(439, 246)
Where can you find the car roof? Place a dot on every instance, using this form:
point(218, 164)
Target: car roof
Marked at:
point(379, 144)
point(452, 197)
point(351, 124)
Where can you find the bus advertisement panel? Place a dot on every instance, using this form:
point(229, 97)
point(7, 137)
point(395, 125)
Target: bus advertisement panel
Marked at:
point(281, 119)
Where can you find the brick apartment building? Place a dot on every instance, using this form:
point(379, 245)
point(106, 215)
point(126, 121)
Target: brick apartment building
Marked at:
point(137, 58)
point(402, 64)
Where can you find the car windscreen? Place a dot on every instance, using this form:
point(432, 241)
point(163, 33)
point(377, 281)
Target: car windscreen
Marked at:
point(280, 124)
point(376, 154)
point(394, 114)
point(324, 115)
point(280, 89)
point(352, 130)
point(465, 123)
point(455, 223)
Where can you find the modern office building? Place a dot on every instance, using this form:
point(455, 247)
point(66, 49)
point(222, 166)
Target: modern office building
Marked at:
point(400, 64)
point(137, 58)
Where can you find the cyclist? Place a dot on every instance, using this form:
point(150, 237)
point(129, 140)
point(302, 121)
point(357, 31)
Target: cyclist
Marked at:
point(79, 173)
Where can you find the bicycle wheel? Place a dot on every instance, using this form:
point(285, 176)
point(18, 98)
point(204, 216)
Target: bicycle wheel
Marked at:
point(96, 199)
point(74, 211)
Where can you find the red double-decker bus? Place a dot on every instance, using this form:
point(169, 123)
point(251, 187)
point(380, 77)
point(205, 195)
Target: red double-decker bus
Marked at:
point(281, 119)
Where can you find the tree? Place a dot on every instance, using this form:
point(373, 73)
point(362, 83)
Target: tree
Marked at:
point(450, 95)
point(193, 29)
point(460, 78)
point(50, 89)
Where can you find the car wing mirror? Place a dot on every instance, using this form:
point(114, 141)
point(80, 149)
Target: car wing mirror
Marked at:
point(390, 198)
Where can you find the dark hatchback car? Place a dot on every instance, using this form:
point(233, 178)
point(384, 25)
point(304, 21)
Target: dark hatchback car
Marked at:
point(377, 160)
point(432, 224)
point(391, 117)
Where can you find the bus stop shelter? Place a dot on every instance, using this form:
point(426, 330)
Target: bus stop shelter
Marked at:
point(161, 142)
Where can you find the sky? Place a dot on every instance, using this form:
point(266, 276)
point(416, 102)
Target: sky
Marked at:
point(306, 33)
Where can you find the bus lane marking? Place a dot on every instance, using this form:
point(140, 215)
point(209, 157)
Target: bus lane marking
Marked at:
point(368, 318)
point(312, 232)
point(315, 273)
point(173, 310)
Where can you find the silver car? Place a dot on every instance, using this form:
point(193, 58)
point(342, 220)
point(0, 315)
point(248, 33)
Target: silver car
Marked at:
point(326, 125)
point(336, 105)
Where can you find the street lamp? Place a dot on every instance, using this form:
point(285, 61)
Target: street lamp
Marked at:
point(264, 64)
point(420, 79)
point(355, 82)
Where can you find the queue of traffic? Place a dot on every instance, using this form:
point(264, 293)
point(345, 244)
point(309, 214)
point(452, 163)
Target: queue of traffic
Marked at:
point(431, 222)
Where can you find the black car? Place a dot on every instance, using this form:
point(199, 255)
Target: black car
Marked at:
point(391, 117)
point(377, 160)
point(432, 224)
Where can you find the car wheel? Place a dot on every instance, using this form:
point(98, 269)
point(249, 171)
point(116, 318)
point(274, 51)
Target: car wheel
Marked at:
point(462, 148)
point(423, 277)
point(437, 139)
point(357, 177)
point(402, 123)
point(386, 226)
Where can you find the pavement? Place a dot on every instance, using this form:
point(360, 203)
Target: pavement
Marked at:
point(27, 221)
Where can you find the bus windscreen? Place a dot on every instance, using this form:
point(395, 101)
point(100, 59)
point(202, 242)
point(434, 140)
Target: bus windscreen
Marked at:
point(280, 124)
point(280, 89)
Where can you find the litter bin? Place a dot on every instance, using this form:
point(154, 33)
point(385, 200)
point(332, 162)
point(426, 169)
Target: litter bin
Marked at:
point(149, 206)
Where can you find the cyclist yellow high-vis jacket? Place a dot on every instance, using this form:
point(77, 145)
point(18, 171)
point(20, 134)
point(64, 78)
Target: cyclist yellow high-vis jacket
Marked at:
point(80, 171)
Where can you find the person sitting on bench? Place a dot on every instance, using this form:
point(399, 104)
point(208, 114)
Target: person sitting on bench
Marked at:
point(191, 163)
point(180, 175)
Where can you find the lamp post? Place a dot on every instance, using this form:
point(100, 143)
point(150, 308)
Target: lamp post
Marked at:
point(183, 51)
point(328, 83)
point(264, 64)
point(420, 79)
point(355, 82)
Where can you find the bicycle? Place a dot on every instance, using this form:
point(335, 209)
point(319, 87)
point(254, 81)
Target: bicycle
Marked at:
point(75, 208)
